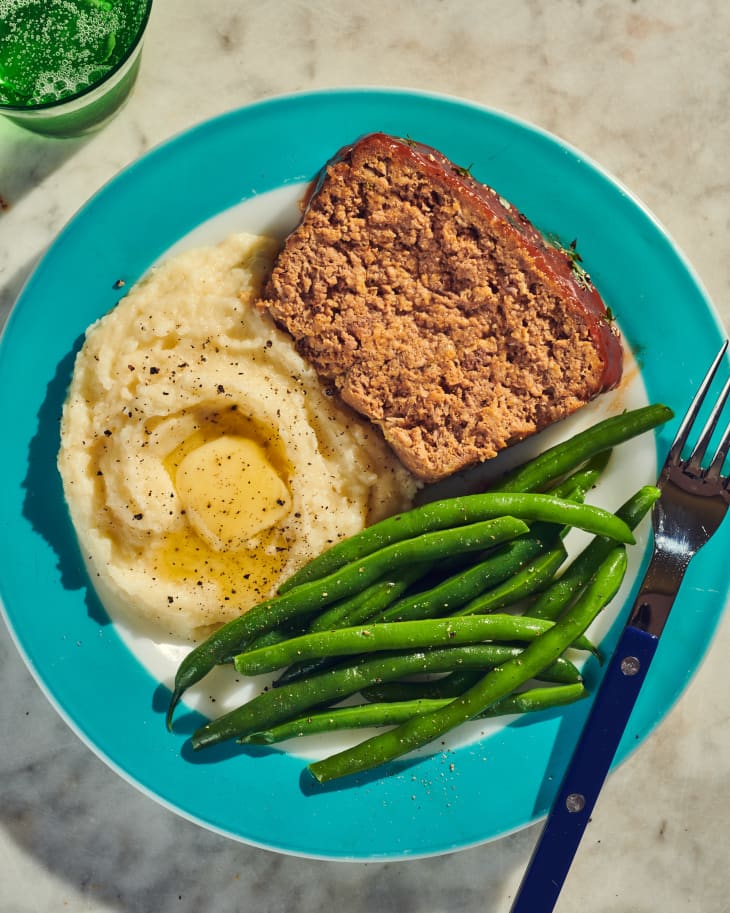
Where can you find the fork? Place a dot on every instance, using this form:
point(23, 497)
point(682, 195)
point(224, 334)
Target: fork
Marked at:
point(691, 507)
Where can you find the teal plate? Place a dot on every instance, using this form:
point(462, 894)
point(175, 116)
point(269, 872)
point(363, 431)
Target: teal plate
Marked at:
point(464, 794)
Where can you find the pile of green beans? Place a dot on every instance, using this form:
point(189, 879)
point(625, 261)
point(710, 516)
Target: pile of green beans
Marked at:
point(471, 595)
point(497, 684)
point(392, 713)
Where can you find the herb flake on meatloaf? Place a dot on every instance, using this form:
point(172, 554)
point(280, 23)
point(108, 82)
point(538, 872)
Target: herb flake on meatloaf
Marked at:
point(436, 309)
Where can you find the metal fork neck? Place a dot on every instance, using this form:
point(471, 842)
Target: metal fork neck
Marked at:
point(658, 591)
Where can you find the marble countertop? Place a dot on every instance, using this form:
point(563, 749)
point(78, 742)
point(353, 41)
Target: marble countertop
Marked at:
point(640, 86)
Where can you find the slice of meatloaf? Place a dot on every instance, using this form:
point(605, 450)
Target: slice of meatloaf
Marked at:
point(436, 309)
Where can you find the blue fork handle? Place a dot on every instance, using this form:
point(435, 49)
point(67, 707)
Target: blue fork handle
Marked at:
point(586, 772)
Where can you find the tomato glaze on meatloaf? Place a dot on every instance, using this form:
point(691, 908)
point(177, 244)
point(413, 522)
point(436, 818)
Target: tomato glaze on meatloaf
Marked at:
point(436, 309)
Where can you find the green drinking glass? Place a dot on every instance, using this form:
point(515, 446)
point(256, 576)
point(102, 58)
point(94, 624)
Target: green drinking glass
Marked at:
point(66, 66)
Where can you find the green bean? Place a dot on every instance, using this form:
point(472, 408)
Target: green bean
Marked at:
point(393, 713)
point(554, 599)
point(274, 636)
point(448, 595)
point(381, 600)
point(353, 578)
point(557, 460)
point(500, 565)
point(529, 580)
point(455, 512)
point(582, 480)
point(369, 602)
point(356, 610)
point(303, 669)
point(451, 685)
point(352, 610)
point(496, 684)
point(279, 704)
point(453, 592)
point(396, 635)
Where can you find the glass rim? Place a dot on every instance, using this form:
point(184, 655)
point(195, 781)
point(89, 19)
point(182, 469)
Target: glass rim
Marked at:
point(48, 106)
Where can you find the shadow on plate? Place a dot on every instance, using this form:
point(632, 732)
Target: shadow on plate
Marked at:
point(311, 787)
point(223, 751)
point(44, 504)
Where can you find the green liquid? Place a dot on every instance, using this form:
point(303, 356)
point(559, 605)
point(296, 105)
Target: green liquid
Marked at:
point(51, 49)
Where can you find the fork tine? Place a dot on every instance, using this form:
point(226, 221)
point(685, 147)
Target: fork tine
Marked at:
point(695, 460)
point(723, 448)
point(680, 440)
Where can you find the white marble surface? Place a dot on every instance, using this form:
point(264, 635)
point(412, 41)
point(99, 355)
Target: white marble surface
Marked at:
point(640, 86)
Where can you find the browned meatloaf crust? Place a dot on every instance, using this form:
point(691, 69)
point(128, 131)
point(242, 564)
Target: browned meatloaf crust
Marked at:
point(436, 309)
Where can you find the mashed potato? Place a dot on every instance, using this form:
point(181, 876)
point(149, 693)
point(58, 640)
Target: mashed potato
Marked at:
point(201, 459)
